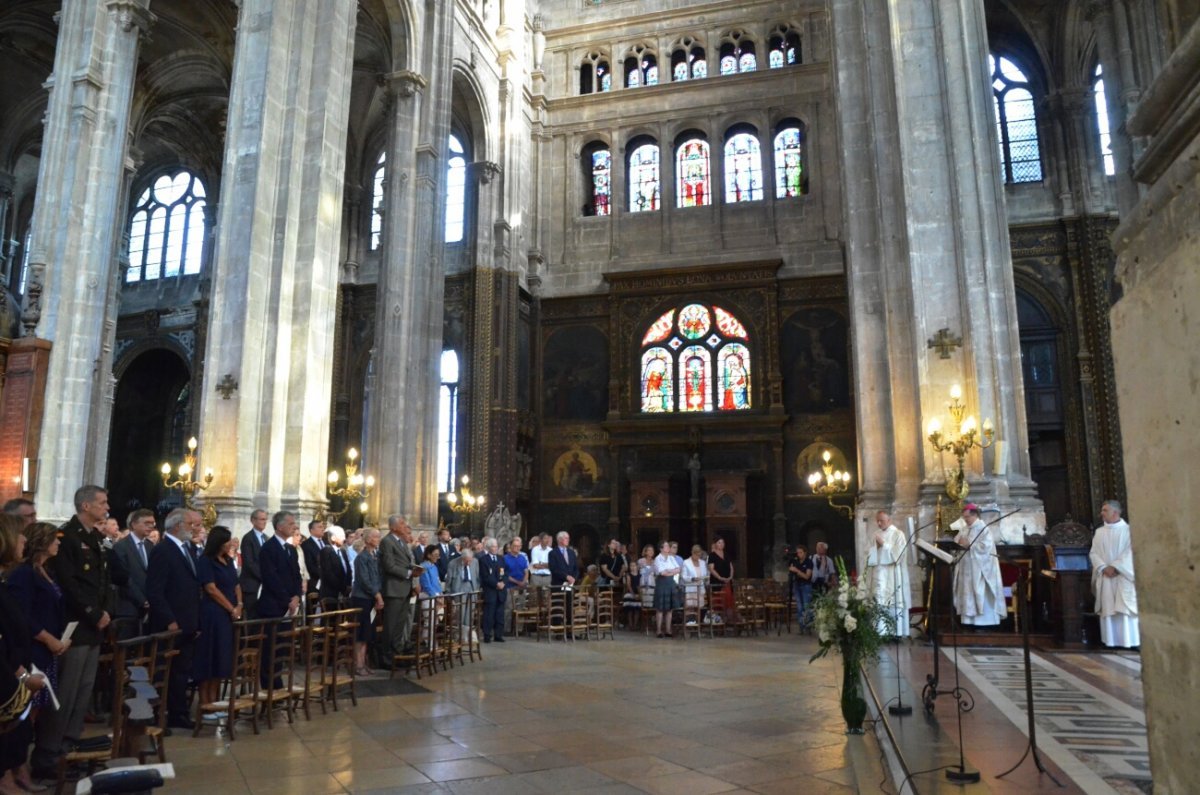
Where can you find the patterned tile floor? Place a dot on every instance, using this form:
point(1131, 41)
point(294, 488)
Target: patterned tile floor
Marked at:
point(634, 714)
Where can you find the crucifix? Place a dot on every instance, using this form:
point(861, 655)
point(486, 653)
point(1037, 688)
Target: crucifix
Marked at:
point(944, 342)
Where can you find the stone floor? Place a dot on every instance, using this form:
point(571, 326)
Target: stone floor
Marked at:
point(634, 714)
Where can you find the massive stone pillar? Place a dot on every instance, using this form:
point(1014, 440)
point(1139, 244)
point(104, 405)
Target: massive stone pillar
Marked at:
point(267, 384)
point(77, 217)
point(1154, 338)
point(927, 249)
point(401, 447)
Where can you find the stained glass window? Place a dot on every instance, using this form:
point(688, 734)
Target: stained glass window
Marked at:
point(735, 377)
point(1102, 123)
point(679, 71)
point(633, 74)
point(456, 191)
point(448, 422)
point(601, 182)
point(747, 62)
point(166, 233)
point(644, 188)
point(729, 325)
point(377, 202)
point(681, 375)
point(789, 163)
point(784, 49)
point(1016, 121)
point(661, 329)
point(743, 169)
point(691, 174)
point(775, 59)
point(699, 67)
point(657, 382)
point(695, 379)
point(594, 75)
point(729, 60)
point(650, 70)
point(694, 321)
point(605, 75)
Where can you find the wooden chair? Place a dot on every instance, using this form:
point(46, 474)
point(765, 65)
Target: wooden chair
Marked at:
point(474, 618)
point(318, 643)
point(455, 621)
point(695, 599)
point(282, 637)
point(777, 603)
point(555, 617)
point(242, 687)
point(155, 659)
point(646, 614)
point(344, 625)
point(605, 611)
point(581, 613)
point(424, 640)
point(525, 610)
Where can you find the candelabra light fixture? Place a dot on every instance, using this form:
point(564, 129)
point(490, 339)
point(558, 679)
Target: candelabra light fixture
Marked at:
point(357, 489)
point(830, 482)
point(968, 435)
point(463, 502)
point(187, 483)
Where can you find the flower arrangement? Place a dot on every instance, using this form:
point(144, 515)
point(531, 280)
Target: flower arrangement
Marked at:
point(849, 620)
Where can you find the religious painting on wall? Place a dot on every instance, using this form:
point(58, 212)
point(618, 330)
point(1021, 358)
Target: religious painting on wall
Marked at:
point(815, 362)
point(575, 374)
point(812, 457)
point(575, 474)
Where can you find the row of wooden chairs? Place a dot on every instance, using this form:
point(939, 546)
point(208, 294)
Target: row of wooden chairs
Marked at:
point(756, 606)
point(446, 630)
point(285, 664)
point(581, 612)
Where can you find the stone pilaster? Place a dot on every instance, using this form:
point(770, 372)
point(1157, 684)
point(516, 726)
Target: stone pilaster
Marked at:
point(77, 215)
point(277, 257)
point(401, 444)
point(916, 122)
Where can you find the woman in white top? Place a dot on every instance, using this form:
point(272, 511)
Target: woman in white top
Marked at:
point(665, 572)
point(694, 575)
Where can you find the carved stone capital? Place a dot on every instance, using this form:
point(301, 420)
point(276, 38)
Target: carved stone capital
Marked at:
point(485, 171)
point(404, 83)
point(132, 13)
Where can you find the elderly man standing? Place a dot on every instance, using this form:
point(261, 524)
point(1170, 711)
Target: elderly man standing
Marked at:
point(978, 592)
point(173, 590)
point(397, 570)
point(889, 575)
point(493, 579)
point(1113, 581)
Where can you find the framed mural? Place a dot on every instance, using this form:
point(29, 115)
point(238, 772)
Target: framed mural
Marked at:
point(575, 374)
point(816, 368)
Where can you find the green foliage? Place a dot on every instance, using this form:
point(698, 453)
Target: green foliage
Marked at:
point(848, 620)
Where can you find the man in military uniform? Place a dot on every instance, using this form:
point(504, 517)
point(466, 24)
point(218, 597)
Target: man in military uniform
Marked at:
point(81, 571)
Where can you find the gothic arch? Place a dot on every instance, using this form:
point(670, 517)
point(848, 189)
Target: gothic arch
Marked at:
point(155, 343)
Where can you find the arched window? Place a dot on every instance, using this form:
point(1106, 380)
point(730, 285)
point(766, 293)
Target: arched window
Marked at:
point(688, 63)
point(643, 169)
point(456, 191)
point(743, 167)
point(791, 175)
point(1016, 122)
point(692, 186)
point(166, 233)
point(597, 177)
point(784, 48)
point(448, 422)
point(737, 54)
point(641, 69)
point(695, 358)
point(377, 202)
point(24, 280)
point(594, 74)
point(1102, 123)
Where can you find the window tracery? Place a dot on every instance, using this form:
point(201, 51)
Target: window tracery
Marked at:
point(791, 175)
point(456, 191)
point(166, 232)
point(692, 187)
point(377, 181)
point(645, 191)
point(743, 168)
point(1016, 121)
point(1102, 122)
point(695, 358)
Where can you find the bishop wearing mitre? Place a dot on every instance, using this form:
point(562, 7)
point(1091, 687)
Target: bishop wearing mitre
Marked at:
point(889, 575)
point(1112, 579)
point(978, 592)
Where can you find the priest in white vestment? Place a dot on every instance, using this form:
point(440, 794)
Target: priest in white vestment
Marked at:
point(888, 572)
point(1113, 581)
point(978, 592)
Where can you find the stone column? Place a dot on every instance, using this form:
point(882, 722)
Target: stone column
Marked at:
point(75, 231)
point(401, 444)
point(264, 421)
point(927, 248)
point(7, 184)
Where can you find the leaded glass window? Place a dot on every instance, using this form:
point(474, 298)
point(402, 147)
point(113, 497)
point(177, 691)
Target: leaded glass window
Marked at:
point(644, 187)
point(377, 181)
point(166, 233)
point(784, 49)
point(743, 168)
point(1016, 121)
point(695, 358)
point(691, 174)
point(448, 422)
point(456, 191)
point(601, 182)
point(790, 177)
point(1102, 123)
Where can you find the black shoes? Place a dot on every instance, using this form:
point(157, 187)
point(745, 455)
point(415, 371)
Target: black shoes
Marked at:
point(180, 722)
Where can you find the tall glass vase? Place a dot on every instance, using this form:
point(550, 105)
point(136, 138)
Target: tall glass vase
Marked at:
point(854, 705)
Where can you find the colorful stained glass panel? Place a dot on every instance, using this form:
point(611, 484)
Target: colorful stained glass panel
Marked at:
point(660, 329)
point(692, 188)
point(729, 325)
point(734, 386)
point(694, 321)
point(695, 379)
point(657, 382)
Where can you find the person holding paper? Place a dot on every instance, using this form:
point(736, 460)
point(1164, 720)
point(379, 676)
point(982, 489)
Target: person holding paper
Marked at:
point(888, 574)
point(978, 592)
point(42, 602)
point(1113, 579)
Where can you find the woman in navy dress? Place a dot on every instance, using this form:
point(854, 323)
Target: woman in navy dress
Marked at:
point(42, 600)
point(220, 606)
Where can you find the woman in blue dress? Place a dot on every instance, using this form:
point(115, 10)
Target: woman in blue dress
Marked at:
point(220, 606)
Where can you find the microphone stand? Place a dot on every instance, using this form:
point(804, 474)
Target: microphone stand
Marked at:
point(1031, 747)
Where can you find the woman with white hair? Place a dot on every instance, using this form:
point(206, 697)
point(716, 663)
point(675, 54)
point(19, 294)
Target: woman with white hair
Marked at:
point(367, 596)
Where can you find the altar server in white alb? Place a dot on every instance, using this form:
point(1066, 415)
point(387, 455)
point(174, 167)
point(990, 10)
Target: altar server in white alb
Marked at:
point(1112, 579)
point(978, 592)
point(888, 571)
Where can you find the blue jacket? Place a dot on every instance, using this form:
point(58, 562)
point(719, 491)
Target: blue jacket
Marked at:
point(172, 588)
point(279, 564)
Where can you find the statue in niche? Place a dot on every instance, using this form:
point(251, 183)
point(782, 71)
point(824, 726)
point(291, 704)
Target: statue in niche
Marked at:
point(694, 475)
point(502, 525)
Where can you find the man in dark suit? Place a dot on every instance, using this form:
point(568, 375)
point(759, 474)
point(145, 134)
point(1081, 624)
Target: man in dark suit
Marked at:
point(399, 574)
point(279, 565)
point(132, 553)
point(81, 570)
point(336, 572)
point(173, 590)
point(251, 577)
point(564, 564)
point(492, 578)
point(449, 553)
point(312, 547)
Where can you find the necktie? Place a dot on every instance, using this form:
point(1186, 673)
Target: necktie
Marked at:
point(191, 561)
point(466, 573)
point(345, 561)
point(141, 545)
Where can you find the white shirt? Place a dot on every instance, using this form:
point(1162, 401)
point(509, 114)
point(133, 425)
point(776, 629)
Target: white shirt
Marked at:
point(664, 564)
point(539, 554)
point(694, 572)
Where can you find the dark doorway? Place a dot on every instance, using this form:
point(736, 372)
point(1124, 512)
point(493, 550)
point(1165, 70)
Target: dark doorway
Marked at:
point(1044, 410)
point(149, 425)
